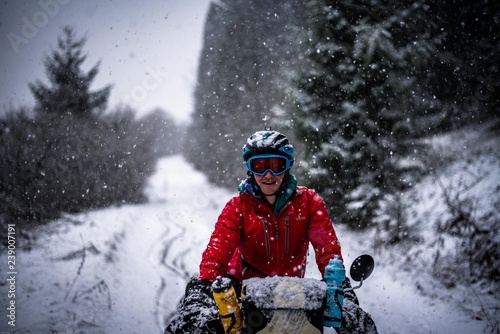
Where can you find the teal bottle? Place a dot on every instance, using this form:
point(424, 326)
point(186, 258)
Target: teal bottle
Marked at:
point(334, 276)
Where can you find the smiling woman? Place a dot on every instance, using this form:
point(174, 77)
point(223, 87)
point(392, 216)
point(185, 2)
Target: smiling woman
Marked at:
point(263, 231)
point(148, 50)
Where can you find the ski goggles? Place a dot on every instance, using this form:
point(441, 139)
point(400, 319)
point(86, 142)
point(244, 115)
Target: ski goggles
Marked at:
point(261, 164)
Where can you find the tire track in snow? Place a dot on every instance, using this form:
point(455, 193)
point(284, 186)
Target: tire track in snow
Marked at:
point(187, 208)
point(168, 258)
point(169, 253)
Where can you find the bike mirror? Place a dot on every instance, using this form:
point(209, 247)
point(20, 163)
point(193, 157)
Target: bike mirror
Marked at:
point(362, 267)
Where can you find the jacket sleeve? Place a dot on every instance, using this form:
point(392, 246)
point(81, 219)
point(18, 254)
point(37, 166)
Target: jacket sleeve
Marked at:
point(321, 233)
point(223, 242)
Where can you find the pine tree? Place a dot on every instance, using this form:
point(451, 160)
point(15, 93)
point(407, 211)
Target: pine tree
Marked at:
point(241, 65)
point(353, 109)
point(69, 155)
point(69, 91)
point(461, 71)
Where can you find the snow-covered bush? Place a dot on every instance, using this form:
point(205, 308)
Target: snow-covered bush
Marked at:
point(55, 164)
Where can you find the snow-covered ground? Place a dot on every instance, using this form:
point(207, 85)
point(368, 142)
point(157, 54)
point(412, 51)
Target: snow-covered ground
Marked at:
point(123, 269)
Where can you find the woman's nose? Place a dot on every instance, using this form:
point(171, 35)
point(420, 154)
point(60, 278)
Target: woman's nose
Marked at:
point(268, 174)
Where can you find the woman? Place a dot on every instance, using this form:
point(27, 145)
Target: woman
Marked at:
point(264, 231)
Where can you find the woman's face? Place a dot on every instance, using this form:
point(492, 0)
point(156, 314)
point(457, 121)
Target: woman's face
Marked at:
point(269, 183)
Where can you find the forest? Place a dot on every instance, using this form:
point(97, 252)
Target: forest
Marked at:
point(359, 88)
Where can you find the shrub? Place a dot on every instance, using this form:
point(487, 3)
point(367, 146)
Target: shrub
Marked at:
point(54, 164)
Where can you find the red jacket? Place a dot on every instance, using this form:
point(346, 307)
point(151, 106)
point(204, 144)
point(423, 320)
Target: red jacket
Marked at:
point(250, 240)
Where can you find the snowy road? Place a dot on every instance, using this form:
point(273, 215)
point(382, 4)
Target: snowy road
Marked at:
point(123, 269)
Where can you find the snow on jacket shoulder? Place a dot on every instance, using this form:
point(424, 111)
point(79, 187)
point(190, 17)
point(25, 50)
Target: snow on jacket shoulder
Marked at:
point(249, 240)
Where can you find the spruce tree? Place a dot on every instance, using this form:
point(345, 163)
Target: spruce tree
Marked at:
point(69, 155)
point(353, 110)
point(240, 82)
point(69, 91)
point(461, 71)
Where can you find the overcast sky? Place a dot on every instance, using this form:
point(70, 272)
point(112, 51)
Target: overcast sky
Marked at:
point(148, 49)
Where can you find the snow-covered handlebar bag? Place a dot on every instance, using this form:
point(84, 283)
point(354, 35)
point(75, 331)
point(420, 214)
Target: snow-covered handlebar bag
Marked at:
point(285, 305)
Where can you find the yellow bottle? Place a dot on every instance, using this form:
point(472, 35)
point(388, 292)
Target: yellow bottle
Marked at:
point(227, 302)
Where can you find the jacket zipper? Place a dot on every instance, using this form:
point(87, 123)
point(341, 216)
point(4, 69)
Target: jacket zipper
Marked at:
point(267, 238)
point(287, 234)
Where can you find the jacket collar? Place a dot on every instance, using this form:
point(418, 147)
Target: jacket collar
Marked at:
point(286, 190)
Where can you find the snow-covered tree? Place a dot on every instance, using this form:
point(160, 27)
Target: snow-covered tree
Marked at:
point(159, 130)
point(69, 86)
point(68, 155)
point(460, 70)
point(239, 82)
point(353, 109)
